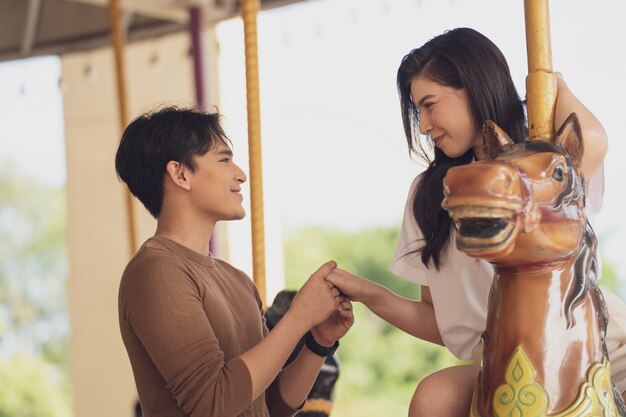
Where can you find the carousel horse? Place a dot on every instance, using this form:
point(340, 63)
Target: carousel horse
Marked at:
point(522, 209)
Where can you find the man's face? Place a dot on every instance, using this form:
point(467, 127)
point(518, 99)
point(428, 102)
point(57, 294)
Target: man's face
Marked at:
point(216, 185)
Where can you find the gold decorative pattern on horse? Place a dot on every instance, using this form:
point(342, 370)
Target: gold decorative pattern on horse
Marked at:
point(521, 394)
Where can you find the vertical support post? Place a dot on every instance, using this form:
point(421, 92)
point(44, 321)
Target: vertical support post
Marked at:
point(249, 9)
point(117, 37)
point(196, 18)
point(197, 48)
point(30, 28)
point(541, 87)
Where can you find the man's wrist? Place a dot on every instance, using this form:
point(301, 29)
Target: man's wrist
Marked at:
point(319, 339)
point(318, 349)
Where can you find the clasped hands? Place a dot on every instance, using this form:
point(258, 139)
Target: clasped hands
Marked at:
point(327, 311)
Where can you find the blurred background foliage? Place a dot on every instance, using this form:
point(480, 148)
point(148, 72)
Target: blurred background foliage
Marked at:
point(34, 354)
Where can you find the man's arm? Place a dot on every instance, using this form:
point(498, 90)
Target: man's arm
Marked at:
point(297, 379)
point(315, 301)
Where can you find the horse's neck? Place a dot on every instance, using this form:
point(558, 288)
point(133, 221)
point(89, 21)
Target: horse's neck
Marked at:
point(524, 270)
point(534, 308)
point(576, 273)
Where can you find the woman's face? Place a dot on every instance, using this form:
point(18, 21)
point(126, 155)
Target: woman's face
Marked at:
point(445, 115)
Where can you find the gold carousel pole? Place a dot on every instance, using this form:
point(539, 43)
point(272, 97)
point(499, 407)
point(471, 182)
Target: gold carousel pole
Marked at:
point(117, 36)
point(541, 82)
point(249, 10)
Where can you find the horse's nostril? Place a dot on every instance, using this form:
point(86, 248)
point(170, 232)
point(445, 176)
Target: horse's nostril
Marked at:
point(502, 180)
point(508, 180)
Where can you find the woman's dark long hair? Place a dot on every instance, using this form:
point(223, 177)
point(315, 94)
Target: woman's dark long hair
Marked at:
point(461, 58)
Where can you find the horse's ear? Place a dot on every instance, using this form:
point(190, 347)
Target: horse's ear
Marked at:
point(570, 138)
point(494, 139)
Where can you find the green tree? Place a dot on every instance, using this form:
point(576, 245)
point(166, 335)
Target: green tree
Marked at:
point(32, 387)
point(366, 253)
point(609, 279)
point(33, 313)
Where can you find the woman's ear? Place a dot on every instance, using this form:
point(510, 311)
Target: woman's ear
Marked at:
point(178, 174)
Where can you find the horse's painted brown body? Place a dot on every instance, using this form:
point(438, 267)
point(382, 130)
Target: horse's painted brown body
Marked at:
point(523, 210)
point(522, 312)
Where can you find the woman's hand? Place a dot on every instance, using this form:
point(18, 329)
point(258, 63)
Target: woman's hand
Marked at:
point(593, 133)
point(353, 286)
point(318, 299)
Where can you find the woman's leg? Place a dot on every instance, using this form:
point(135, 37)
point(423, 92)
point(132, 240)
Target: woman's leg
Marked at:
point(447, 392)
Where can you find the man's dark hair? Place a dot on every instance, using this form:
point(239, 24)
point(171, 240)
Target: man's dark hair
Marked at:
point(156, 138)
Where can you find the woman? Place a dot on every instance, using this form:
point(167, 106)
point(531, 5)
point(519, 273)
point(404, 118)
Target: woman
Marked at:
point(448, 88)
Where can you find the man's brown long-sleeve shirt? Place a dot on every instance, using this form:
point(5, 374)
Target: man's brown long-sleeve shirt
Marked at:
point(185, 319)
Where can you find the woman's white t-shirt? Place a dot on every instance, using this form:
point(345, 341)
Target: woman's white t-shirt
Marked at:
point(460, 288)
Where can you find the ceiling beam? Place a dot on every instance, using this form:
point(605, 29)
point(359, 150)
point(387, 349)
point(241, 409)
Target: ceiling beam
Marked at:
point(178, 10)
point(30, 40)
point(155, 9)
point(91, 42)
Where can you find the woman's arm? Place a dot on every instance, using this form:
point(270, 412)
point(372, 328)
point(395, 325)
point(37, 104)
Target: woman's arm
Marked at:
point(416, 318)
point(594, 135)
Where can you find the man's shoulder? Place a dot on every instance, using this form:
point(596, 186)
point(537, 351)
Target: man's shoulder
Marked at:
point(151, 254)
point(150, 262)
point(231, 269)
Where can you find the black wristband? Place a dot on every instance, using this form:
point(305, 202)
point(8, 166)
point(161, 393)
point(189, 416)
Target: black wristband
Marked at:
point(318, 349)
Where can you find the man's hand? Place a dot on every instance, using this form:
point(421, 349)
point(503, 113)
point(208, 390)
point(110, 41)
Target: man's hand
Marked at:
point(334, 327)
point(317, 299)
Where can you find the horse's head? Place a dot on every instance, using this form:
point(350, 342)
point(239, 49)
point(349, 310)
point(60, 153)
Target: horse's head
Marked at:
point(524, 203)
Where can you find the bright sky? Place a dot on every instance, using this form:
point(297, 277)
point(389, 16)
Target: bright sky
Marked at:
point(334, 150)
point(31, 118)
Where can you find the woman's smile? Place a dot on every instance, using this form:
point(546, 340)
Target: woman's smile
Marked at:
point(438, 139)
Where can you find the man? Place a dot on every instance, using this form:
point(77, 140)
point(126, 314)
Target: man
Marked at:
point(192, 324)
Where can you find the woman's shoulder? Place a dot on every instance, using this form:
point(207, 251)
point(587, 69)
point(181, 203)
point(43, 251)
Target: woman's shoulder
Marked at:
point(417, 180)
point(413, 188)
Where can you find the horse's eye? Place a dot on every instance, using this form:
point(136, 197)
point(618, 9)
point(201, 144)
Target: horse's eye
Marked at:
point(558, 172)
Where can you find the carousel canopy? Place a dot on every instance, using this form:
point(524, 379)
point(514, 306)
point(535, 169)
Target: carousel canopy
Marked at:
point(52, 27)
